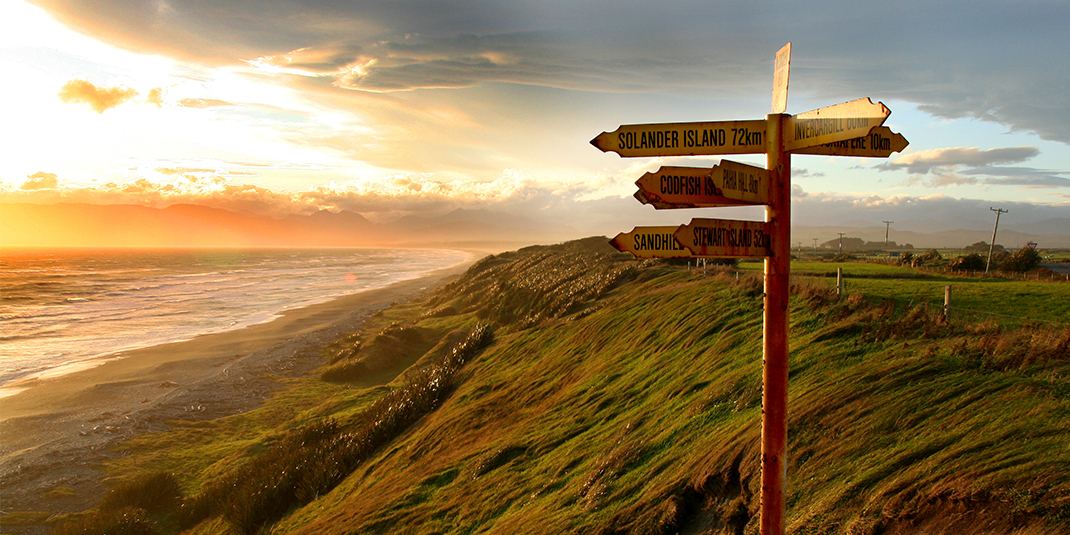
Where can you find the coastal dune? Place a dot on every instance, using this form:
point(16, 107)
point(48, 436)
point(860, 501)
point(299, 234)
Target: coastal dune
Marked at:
point(55, 431)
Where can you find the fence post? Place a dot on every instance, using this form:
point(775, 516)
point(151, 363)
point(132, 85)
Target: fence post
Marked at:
point(947, 302)
point(839, 283)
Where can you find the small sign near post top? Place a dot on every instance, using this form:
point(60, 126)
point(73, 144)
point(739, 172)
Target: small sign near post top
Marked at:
point(852, 128)
point(781, 67)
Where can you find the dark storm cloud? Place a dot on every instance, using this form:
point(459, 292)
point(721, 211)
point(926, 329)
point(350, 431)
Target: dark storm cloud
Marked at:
point(991, 60)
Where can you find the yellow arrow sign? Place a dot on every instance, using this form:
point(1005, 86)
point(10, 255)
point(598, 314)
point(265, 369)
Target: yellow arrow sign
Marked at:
point(830, 124)
point(727, 184)
point(725, 238)
point(684, 139)
point(880, 143)
point(650, 242)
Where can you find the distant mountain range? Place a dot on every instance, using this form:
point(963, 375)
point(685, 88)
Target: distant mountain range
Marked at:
point(187, 225)
point(1049, 234)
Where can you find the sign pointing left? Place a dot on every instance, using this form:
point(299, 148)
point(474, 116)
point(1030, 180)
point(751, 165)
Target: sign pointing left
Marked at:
point(650, 242)
point(684, 139)
point(726, 184)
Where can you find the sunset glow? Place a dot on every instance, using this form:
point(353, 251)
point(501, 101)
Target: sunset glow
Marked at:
point(379, 114)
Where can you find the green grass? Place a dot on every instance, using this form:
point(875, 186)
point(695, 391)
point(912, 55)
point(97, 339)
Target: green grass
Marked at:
point(625, 397)
point(1002, 301)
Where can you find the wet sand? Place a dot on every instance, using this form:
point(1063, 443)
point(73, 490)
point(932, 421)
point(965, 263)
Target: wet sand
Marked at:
point(57, 431)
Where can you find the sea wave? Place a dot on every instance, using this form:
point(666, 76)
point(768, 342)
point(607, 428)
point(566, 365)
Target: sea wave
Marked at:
point(129, 299)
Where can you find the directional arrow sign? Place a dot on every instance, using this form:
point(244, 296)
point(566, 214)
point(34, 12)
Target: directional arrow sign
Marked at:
point(834, 123)
point(724, 238)
point(880, 143)
point(685, 139)
point(650, 242)
point(727, 184)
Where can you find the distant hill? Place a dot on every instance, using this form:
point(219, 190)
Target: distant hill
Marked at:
point(1050, 234)
point(184, 225)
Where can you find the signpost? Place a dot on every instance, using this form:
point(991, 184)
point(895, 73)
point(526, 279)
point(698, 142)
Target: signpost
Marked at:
point(684, 139)
point(880, 143)
point(725, 238)
point(849, 129)
point(834, 123)
point(726, 184)
point(650, 242)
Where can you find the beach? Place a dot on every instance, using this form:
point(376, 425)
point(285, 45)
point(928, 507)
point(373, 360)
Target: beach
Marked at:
point(55, 431)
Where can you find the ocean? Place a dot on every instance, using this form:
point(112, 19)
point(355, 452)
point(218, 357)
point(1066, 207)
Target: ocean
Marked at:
point(61, 308)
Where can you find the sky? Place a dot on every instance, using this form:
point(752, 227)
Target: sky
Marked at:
point(402, 107)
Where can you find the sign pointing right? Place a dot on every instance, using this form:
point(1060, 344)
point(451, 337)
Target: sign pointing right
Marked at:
point(880, 143)
point(830, 124)
point(726, 238)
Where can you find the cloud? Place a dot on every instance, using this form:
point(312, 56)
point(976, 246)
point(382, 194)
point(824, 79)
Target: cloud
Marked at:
point(155, 96)
point(937, 160)
point(40, 180)
point(1024, 177)
point(99, 98)
point(581, 207)
point(992, 62)
point(944, 167)
point(202, 103)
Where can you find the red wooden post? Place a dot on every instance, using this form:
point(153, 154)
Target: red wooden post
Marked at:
point(775, 333)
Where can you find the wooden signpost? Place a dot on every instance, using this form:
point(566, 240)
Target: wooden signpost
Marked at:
point(849, 129)
point(725, 238)
point(650, 242)
point(880, 143)
point(726, 184)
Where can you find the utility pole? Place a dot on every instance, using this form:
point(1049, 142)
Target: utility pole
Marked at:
point(887, 224)
point(841, 240)
point(993, 244)
point(815, 244)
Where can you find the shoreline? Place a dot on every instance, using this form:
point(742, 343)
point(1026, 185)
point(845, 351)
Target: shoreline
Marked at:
point(14, 380)
point(56, 431)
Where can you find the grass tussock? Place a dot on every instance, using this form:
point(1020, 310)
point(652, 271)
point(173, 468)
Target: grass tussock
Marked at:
point(123, 521)
point(152, 491)
point(524, 288)
point(312, 460)
point(364, 361)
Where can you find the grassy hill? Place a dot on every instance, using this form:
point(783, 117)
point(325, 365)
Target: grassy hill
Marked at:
point(570, 389)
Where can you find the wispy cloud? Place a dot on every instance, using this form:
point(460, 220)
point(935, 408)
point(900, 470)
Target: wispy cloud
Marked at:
point(99, 98)
point(40, 180)
point(942, 160)
point(944, 167)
